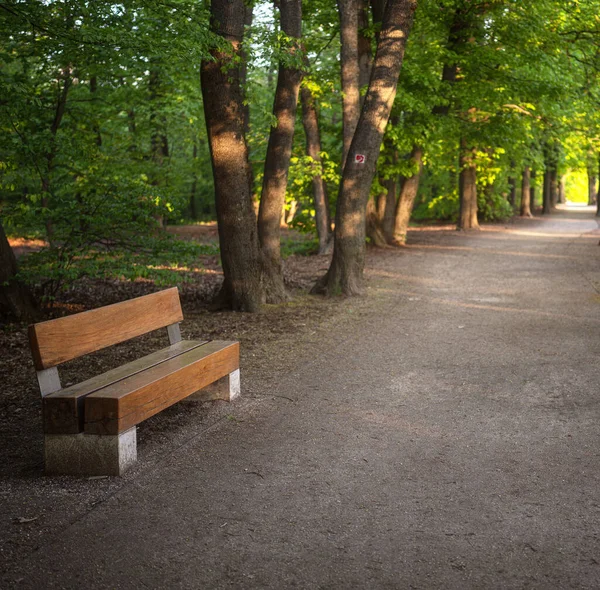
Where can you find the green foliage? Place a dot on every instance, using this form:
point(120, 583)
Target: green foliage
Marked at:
point(162, 259)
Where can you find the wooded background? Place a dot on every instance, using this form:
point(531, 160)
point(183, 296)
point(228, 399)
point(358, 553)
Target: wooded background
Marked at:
point(342, 120)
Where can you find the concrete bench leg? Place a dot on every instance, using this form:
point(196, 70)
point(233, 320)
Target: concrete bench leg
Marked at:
point(227, 388)
point(90, 454)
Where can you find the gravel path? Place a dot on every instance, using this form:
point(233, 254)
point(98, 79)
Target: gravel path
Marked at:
point(442, 432)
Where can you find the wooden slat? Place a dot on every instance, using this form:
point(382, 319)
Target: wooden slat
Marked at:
point(57, 341)
point(120, 406)
point(63, 410)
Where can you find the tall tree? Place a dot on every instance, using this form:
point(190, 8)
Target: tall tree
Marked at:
point(279, 151)
point(345, 274)
point(310, 121)
point(243, 287)
point(526, 193)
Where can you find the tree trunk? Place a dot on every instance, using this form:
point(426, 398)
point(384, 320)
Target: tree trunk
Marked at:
point(546, 206)
point(224, 113)
point(512, 183)
point(386, 206)
point(374, 228)
point(365, 57)
point(59, 113)
point(553, 187)
point(526, 193)
point(467, 188)
point(277, 161)
point(592, 192)
point(248, 17)
point(350, 69)
point(193, 206)
point(310, 121)
point(406, 201)
point(16, 300)
point(562, 181)
point(532, 192)
point(345, 274)
point(159, 144)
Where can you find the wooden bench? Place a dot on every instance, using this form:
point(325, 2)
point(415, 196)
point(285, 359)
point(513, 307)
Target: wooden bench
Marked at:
point(90, 428)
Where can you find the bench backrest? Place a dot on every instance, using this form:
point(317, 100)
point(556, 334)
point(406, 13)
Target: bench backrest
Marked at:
point(57, 341)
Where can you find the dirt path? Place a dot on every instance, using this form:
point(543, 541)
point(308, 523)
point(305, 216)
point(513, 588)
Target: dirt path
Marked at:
point(441, 433)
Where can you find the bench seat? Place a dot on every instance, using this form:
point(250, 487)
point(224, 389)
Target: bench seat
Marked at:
point(118, 407)
point(90, 428)
point(63, 410)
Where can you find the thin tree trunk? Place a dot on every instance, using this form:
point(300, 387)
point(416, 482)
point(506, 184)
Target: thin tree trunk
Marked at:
point(386, 205)
point(193, 205)
point(348, 10)
point(365, 57)
point(277, 160)
point(16, 300)
point(592, 192)
point(546, 205)
point(345, 274)
point(159, 144)
point(386, 200)
point(406, 201)
point(467, 183)
point(512, 183)
point(526, 193)
point(248, 17)
point(553, 187)
point(310, 121)
point(562, 182)
point(224, 113)
point(532, 192)
point(59, 113)
point(512, 194)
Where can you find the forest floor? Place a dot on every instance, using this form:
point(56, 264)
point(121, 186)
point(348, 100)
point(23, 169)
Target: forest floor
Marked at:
point(441, 432)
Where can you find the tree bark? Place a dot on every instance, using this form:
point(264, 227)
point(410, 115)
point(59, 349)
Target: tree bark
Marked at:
point(562, 182)
point(365, 57)
point(526, 193)
point(59, 114)
point(532, 192)
point(467, 189)
point(16, 300)
point(512, 183)
point(193, 205)
point(386, 206)
point(345, 274)
point(277, 161)
point(242, 288)
point(374, 228)
point(310, 121)
point(406, 201)
point(248, 17)
point(553, 187)
point(546, 204)
point(348, 10)
point(592, 192)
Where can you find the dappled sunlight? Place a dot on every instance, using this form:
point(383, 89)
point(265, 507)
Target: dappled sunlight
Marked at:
point(536, 234)
point(203, 271)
